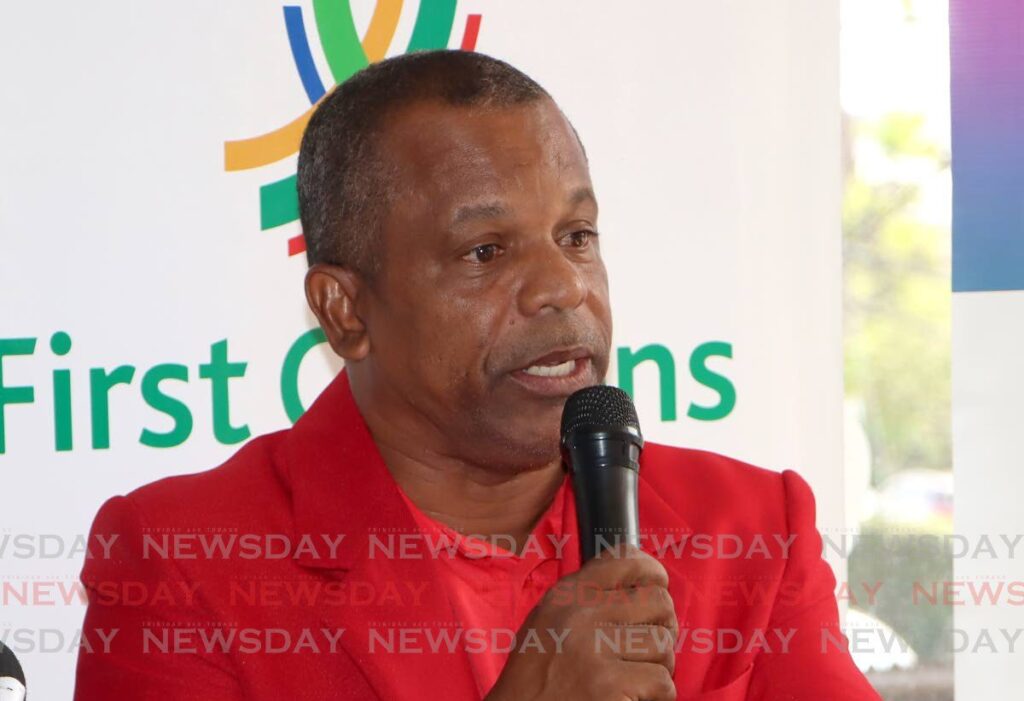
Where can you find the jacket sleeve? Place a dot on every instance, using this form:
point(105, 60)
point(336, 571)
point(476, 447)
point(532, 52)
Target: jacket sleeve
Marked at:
point(815, 664)
point(136, 602)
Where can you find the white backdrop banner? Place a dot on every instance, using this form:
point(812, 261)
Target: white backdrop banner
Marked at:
point(153, 318)
point(987, 100)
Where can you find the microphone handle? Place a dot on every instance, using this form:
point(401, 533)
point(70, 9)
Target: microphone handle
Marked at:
point(605, 472)
point(606, 506)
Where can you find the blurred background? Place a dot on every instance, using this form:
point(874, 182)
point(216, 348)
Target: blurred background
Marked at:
point(895, 97)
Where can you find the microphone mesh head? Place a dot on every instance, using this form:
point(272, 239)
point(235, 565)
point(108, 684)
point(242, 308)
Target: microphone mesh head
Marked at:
point(600, 405)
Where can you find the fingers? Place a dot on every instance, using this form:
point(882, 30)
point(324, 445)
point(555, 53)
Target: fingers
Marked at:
point(654, 644)
point(626, 592)
point(631, 681)
point(648, 682)
point(621, 633)
point(650, 604)
point(623, 566)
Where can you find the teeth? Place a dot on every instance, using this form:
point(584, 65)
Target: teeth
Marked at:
point(563, 370)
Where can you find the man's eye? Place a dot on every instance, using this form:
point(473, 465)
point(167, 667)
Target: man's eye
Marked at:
point(484, 253)
point(581, 238)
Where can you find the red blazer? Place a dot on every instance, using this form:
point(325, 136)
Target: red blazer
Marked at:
point(225, 624)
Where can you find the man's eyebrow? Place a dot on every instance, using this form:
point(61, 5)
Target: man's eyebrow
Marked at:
point(488, 210)
point(581, 195)
point(493, 210)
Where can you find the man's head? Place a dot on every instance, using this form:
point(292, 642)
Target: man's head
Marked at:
point(344, 184)
point(451, 231)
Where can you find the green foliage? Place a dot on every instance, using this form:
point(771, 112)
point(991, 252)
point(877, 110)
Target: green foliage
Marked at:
point(897, 304)
point(900, 136)
point(897, 315)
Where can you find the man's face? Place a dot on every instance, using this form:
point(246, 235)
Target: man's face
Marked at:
point(491, 306)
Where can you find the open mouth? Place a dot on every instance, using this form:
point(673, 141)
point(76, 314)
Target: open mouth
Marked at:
point(557, 374)
point(561, 370)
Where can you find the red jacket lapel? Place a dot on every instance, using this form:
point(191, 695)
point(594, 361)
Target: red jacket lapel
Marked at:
point(339, 484)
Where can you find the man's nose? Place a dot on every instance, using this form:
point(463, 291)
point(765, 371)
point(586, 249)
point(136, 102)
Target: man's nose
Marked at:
point(550, 281)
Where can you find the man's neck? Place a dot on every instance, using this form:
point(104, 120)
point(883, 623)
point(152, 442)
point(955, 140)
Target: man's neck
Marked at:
point(472, 500)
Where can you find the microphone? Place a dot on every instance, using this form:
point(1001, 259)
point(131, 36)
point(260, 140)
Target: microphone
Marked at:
point(601, 444)
point(12, 678)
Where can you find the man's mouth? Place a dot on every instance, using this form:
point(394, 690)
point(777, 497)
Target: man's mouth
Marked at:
point(557, 374)
point(561, 370)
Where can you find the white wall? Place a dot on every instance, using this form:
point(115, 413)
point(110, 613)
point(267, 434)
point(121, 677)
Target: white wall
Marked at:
point(988, 417)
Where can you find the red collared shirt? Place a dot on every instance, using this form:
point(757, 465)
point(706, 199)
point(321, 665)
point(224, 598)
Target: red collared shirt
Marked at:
point(490, 587)
point(325, 476)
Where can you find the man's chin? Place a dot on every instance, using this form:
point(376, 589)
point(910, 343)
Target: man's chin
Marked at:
point(520, 443)
point(522, 458)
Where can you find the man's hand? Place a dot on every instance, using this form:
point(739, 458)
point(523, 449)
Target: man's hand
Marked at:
point(619, 628)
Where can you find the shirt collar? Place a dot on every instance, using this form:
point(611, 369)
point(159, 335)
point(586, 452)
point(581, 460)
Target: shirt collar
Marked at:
point(542, 543)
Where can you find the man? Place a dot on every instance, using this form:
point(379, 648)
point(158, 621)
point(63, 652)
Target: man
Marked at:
point(454, 256)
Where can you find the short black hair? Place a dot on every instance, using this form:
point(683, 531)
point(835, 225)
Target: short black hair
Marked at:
point(344, 183)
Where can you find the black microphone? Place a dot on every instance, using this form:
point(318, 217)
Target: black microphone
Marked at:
point(601, 446)
point(12, 678)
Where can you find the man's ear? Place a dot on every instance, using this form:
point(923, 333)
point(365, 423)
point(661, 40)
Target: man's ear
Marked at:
point(332, 292)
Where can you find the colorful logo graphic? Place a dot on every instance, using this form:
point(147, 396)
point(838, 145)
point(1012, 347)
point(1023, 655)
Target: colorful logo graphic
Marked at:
point(345, 53)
